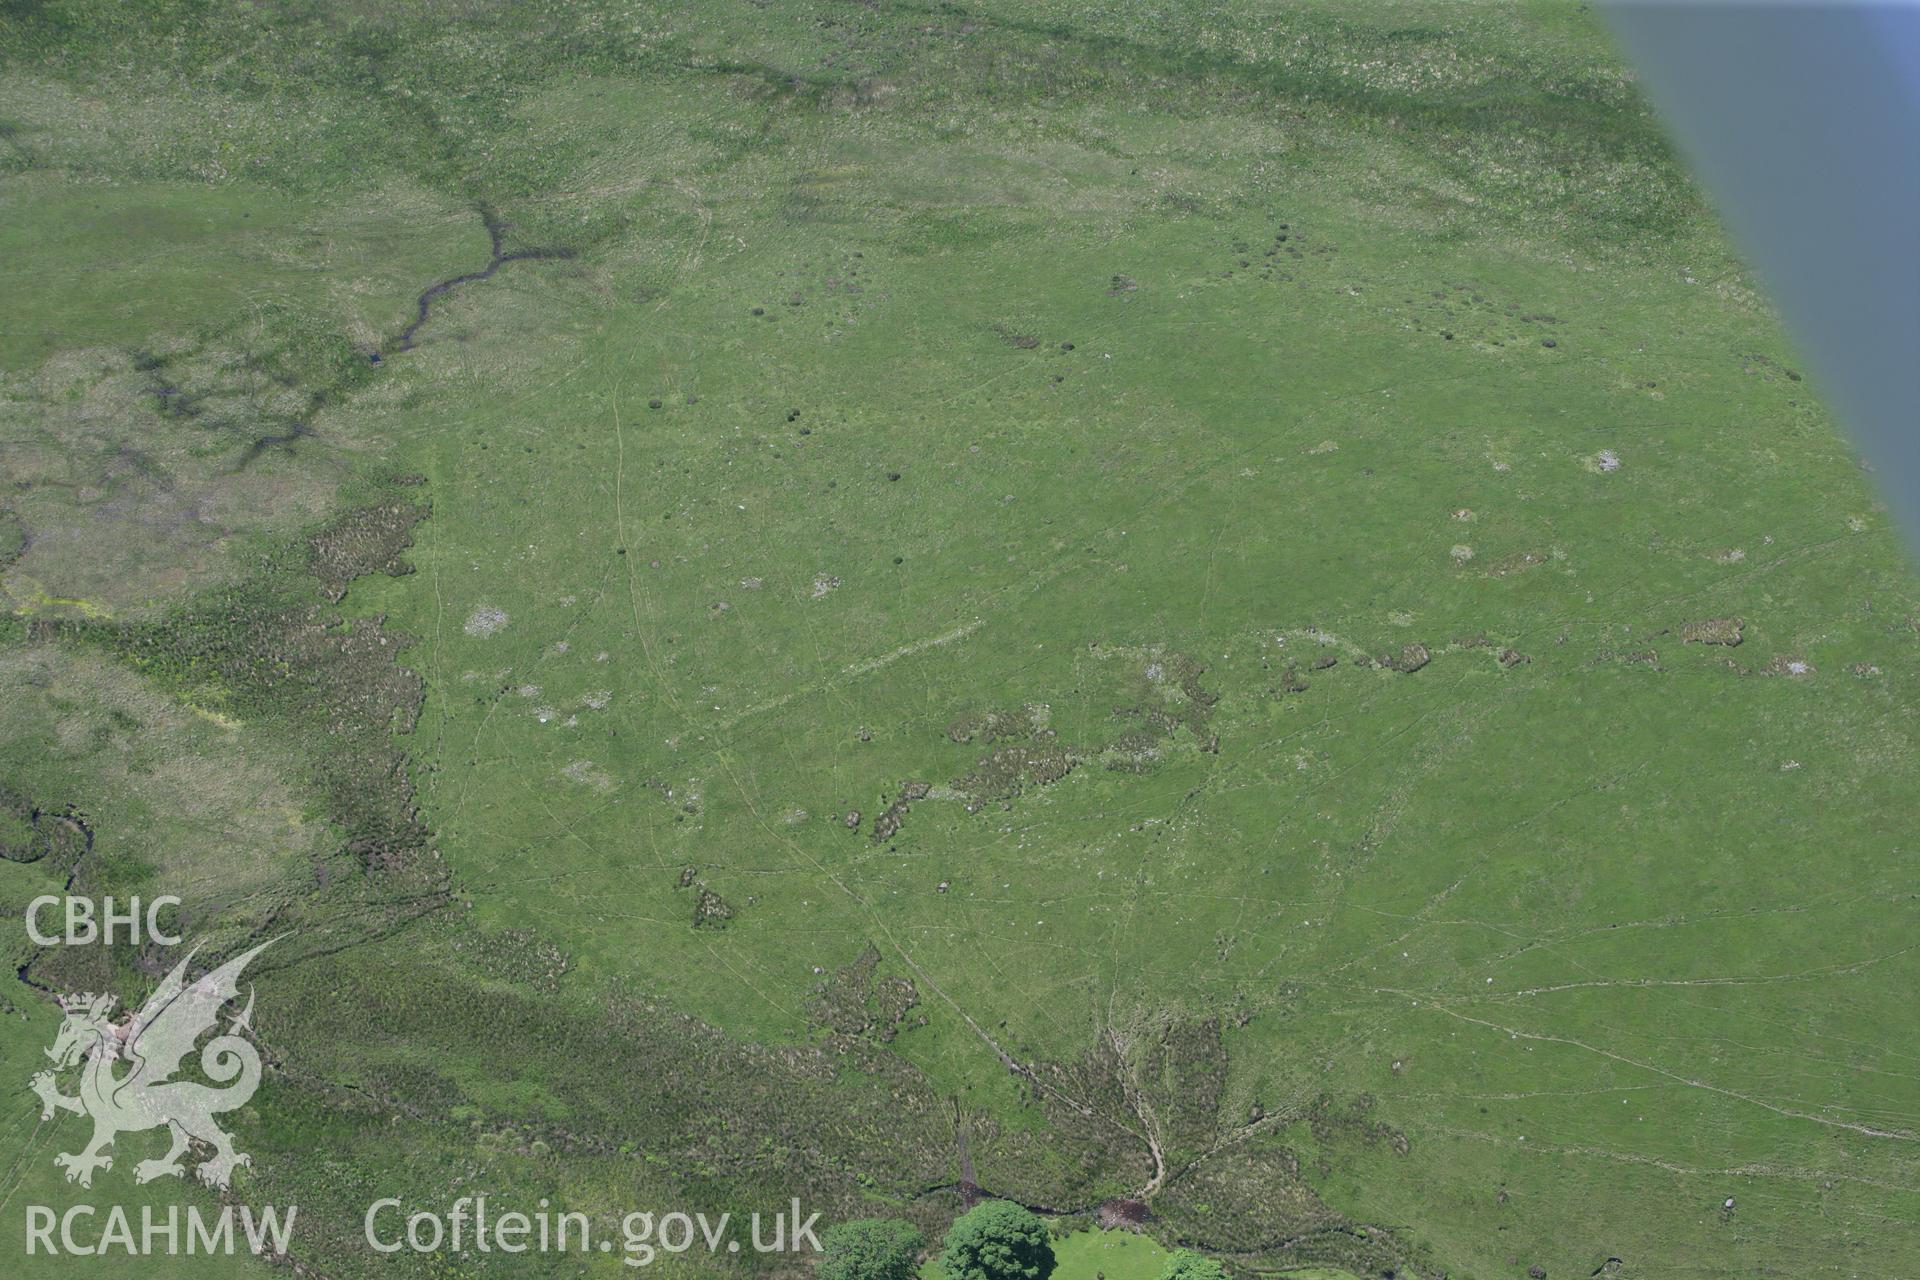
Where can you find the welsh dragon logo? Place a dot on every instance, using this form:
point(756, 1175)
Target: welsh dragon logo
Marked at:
point(154, 1042)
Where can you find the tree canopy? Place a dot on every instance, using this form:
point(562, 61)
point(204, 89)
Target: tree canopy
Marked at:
point(1188, 1265)
point(997, 1240)
point(870, 1249)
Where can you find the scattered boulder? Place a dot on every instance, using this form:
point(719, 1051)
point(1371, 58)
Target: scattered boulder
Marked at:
point(888, 823)
point(1135, 751)
point(485, 620)
point(1412, 658)
point(995, 726)
point(1122, 1215)
point(1726, 631)
point(1006, 772)
point(710, 910)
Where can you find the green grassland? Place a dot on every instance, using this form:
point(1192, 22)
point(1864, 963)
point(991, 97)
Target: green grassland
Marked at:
point(1121, 1255)
point(1245, 503)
